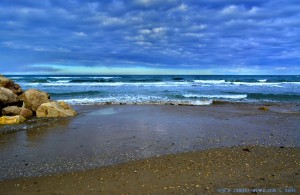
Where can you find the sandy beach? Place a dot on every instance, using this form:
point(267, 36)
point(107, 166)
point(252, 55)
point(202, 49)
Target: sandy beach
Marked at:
point(130, 149)
point(149, 97)
point(237, 169)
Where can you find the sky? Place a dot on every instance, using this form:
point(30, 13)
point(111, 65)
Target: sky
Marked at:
point(211, 37)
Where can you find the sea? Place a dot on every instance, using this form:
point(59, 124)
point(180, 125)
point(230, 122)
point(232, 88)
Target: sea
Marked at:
point(164, 89)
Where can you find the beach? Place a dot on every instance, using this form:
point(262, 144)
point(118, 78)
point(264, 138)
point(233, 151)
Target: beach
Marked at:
point(149, 97)
point(155, 148)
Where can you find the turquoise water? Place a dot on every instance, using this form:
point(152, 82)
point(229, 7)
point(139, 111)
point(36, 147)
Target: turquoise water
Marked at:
point(197, 90)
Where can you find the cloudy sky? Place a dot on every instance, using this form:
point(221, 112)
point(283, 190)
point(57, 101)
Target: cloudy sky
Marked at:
point(149, 37)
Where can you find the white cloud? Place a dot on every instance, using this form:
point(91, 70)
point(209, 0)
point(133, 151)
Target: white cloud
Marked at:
point(145, 31)
point(80, 34)
point(198, 27)
point(143, 43)
point(211, 30)
point(154, 32)
point(230, 9)
point(242, 11)
point(159, 30)
point(148, 3)
point(138, 38)
point(182, 7)
point(196, 35)
point(30, 11)
point(100, 69)
point(113, 21)
point(14, 45)
point(254, 10)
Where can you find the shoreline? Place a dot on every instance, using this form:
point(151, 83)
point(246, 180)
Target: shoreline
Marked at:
point(274, 107)
point(209, 171)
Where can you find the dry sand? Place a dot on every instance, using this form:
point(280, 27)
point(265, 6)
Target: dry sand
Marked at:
point(211, 171)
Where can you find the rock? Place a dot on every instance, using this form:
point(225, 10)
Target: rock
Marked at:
point(33, 98)
point(14, 110)
point(263, 108)
point(55, 109)
point(9, 84)
point(7, 96)
point(9, 120)
point(11, 111)
point(26, 113)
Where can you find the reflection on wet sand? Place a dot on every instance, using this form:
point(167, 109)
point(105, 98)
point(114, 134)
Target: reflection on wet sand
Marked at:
point(59, 125)
point(33, 131)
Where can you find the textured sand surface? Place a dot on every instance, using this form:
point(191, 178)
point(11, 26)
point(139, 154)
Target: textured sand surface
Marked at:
point(237, 168)
point(114, 149)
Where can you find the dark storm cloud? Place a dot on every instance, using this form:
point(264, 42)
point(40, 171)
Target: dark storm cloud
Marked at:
point(221, 36)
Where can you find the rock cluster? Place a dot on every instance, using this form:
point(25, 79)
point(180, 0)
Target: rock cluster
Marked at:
point(16, 106)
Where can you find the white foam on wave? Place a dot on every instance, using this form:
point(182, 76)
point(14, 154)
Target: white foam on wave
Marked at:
point(15, 77)
point(293, 83)
point(103, 77)
point(202, 83)
point(222, 96)
point(62, 81)
point(262, 84)
point(210, 81)
point(115, 84)
point(127, 99)
point(199, 102)
point(62, 77)
point(224, 83)
point(118, 98)
point(262, 80)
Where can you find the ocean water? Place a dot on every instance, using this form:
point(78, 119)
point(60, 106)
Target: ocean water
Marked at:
point(195, 90)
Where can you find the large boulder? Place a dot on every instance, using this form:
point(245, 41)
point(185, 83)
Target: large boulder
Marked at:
point(14, 110)
point(7, 96)
point(9, 84)
point(9, 120)
point(33, 98)
point(55, 109)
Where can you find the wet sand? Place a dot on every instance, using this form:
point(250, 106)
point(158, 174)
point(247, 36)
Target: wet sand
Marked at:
point(116, 137)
